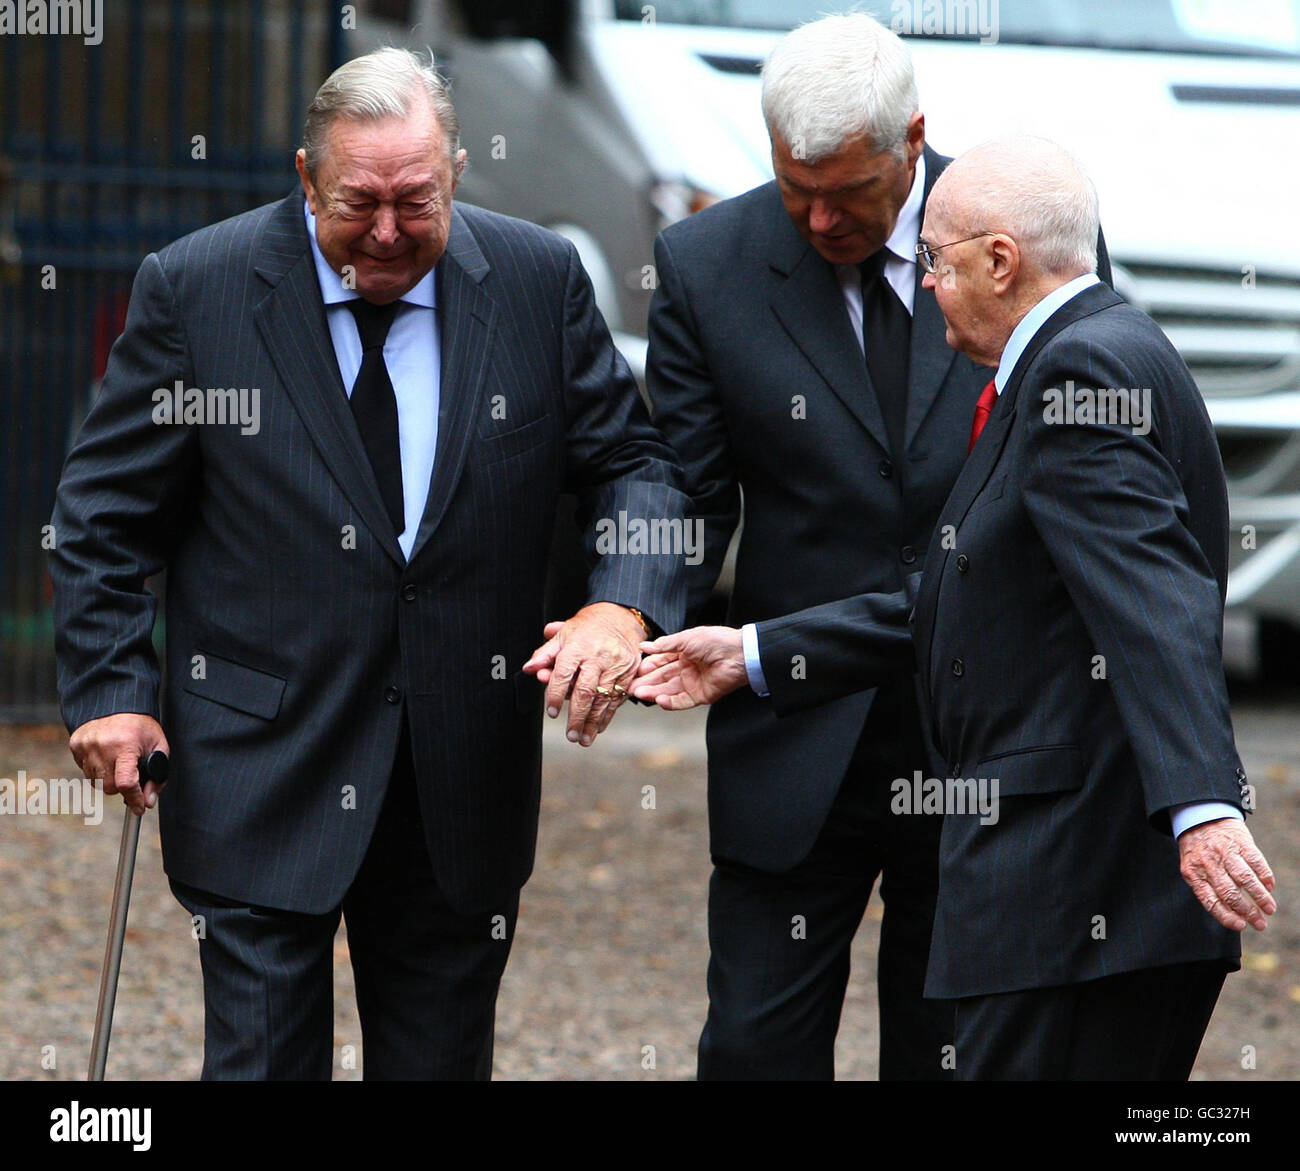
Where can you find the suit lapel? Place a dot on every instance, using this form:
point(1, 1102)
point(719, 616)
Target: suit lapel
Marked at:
point(979, 465)
point(930, 357)
point(810, 306)
point(291, 320)
point(467, 324)
point(974, 475)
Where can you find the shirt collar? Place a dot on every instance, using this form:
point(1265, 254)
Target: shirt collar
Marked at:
point(331, 284)
point(907, 231)
point(1034, 320)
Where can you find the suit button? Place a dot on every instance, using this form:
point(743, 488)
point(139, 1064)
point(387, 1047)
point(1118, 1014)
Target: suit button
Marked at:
point(886, 469)
point(958, 668)
point(408, 593)
point(954, 769)
point(962, 563)
point(393, 694)
point(908, 554)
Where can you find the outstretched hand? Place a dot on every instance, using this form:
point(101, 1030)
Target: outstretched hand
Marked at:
point(691, 668)
point(591, 661)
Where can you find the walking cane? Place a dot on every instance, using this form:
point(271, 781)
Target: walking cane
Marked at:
point(154, 768)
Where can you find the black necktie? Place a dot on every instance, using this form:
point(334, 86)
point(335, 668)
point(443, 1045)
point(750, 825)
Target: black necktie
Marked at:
point(886, 336)
point(374, 405)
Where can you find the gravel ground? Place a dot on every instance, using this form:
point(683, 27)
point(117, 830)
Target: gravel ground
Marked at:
point(611, 949)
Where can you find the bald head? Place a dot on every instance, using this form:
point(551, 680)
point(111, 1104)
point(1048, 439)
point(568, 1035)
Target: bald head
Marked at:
point(1032, 190)
point(1010, 221)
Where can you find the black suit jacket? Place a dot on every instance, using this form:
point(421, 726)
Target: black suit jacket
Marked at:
point(758, 381)
point(1070, 641)
point(298, 637)
point(1068, 634)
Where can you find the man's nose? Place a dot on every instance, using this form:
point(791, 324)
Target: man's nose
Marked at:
point(384, 227)
point(823, 216)
point(928, 280)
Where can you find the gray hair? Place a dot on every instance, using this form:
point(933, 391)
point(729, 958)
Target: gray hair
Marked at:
point(838, 79)
point(376, 86)
point(1031, 189)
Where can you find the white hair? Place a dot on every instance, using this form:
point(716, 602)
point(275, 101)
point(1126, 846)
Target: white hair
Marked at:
point(838, 79)
point(1029, 188)
point(378, 85)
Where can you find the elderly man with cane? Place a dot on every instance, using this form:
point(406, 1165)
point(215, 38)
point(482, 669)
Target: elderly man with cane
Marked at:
point(354, 579)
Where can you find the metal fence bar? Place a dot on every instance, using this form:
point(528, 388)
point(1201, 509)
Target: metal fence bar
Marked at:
point(96, 143)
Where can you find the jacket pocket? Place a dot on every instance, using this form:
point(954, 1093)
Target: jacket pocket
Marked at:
point(243, 688)
point(990, 492)
point(501, 445)
point(1053, 768)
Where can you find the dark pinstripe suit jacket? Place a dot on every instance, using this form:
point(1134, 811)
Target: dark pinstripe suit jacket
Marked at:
point(297, 635)
point(1061, 543)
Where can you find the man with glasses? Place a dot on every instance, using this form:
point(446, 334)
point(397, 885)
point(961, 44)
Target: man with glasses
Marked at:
point(795, 357)
point(1067, 632)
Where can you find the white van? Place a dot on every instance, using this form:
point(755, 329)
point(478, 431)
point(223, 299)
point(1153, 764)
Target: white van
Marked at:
point(611, 123)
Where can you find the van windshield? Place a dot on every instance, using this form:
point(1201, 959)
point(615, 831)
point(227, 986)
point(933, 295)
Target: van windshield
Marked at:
point(1259, 28)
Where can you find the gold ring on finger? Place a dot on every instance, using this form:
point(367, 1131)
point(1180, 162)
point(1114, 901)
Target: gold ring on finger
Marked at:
point(603, 691)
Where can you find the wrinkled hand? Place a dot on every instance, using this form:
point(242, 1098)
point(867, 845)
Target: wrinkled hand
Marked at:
point(1226, 871)
point(109, 749)
point(693, 667)
point(590, 660)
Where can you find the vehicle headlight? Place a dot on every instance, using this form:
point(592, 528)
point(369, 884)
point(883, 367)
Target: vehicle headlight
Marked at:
point(675, 201)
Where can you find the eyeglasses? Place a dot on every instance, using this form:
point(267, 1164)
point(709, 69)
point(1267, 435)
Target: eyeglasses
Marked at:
point(926, 255)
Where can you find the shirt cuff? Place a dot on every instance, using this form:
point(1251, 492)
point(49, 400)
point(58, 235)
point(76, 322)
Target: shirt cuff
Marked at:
point(753, 663)
point(1183, 817)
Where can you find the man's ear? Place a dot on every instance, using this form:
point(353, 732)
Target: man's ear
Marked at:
point(462, 157)
point(308, 187)
point(915, 137)
point(1004, 262)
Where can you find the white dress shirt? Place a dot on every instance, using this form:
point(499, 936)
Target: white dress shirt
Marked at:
point(413, 357)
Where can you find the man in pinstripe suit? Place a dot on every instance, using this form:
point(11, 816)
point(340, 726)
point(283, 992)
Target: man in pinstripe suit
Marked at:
point(1068, 635)
point(355, 583)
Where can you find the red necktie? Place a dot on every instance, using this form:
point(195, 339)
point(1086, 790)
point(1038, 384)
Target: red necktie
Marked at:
point(983, 409)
